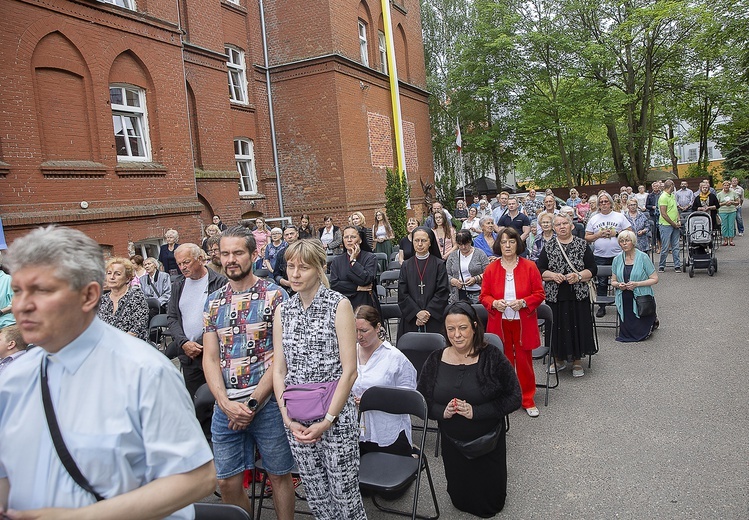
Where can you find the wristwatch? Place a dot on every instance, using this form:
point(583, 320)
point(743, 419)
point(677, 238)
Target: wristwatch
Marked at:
point(579, 277)
point(252, 404)
point(331, 418)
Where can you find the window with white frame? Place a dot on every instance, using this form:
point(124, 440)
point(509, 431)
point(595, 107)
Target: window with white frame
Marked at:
point(363, 43)
point(237, 75)
point(709, 152)
point(692, 154)
point(127, 4)
point(130, 122)
point(383, 52)
point(244, 153)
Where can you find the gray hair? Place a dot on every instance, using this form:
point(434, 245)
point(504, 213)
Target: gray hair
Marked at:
point(566, 217)
point(605, 195)
point(172, 232)
point(72, 254)
point(194, 249)
point(484, 219)
point(153, 260)
point(627, 233)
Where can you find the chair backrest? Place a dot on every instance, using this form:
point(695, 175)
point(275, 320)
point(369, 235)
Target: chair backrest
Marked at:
point(381, 293)
point(158, 321)
point(494, 340)
point(154, 303)
point(545, 320)
point(417, 346)
point(394, 265)
point(394, 254)
point(388, 277)
point(390, 311)
point(262, 273)
point(220, 512)
point(381, 256)
point(394, 400)
point(604, 270)
point(482, 313)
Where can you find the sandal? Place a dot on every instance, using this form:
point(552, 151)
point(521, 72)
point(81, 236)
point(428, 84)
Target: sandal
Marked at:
point(725, 243)
point(731, 244)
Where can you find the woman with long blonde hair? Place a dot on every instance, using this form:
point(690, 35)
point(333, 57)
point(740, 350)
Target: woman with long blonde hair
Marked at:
point(383, 237)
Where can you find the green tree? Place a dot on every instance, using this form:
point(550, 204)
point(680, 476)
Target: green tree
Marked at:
point(396, 198)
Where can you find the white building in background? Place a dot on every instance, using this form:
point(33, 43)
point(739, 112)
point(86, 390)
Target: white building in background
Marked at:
point(687, 151)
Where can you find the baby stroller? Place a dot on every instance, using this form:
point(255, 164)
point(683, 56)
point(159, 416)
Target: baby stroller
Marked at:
point(699, 241)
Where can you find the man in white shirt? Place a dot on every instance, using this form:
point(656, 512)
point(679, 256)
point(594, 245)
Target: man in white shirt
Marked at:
point(601, 232)
point(12, 345)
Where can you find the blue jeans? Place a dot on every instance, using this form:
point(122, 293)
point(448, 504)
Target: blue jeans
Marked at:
point(669, 237)
point(739, 220)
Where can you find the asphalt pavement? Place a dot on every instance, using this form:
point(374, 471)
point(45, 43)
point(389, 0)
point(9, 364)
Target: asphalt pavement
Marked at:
point(654, 430)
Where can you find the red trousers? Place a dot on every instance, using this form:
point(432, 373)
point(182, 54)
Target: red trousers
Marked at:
point(521, 359)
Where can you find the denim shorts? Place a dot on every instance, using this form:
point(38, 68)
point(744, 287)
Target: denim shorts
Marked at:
point(234, 450)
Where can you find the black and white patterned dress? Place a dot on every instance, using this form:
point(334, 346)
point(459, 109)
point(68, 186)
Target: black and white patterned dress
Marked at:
point(330, 467)
point(131, 315)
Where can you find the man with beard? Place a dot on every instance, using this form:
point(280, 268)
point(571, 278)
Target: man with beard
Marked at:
point(238, 341)
point(214, 262)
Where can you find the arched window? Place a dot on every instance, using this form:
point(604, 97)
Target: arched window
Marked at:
point(129, 117)
point(244, 153)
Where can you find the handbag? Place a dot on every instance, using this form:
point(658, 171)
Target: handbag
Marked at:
point(480, 446)
point(54, 430)
point(308, 402)
point(591, 285)
point(645, 305)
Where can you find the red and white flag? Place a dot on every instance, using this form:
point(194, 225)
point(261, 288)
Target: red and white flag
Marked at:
point(458, 140)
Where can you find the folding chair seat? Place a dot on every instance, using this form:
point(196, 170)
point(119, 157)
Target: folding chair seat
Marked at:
point(220, 512)
point(385, 472)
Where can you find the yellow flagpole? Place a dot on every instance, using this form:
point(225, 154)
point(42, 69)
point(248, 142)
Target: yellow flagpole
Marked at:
point(394, 91)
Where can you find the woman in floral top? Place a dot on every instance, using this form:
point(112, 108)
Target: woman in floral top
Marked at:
point(124, 306)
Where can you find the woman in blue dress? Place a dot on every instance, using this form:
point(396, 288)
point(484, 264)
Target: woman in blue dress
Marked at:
point(633, 274)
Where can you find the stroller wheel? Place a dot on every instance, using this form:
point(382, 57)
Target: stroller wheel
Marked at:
point(715, 264)
point(710, 270)
point(691, 272)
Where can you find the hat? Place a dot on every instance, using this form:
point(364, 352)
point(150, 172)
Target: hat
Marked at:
point(276, 230)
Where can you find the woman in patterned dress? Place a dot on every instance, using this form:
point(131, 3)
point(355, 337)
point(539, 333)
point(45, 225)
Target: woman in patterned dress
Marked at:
point(124, 306)
point(314, 341)
point(567, 295)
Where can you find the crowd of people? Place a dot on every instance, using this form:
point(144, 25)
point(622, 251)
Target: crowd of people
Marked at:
point(259, 315)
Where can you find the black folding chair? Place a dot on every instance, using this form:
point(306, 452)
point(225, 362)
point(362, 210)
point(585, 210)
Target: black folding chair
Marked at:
point(386, 472)
point(546, 322)
point(417, 346)
point(389, 280)
point(608, 301)
point(390, 312)
point(481, 312)
point(157, 331)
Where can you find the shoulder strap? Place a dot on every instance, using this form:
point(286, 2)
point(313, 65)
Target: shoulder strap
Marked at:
point(566, 258)
point(62, 451)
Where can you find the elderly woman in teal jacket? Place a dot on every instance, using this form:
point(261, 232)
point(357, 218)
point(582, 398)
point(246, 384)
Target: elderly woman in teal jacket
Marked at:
point(633, 275)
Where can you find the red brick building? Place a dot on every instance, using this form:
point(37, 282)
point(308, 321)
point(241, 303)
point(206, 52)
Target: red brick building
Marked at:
point(116, 117)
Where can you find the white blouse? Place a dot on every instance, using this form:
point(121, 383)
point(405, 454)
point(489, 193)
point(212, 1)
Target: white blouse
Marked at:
point(387, 366)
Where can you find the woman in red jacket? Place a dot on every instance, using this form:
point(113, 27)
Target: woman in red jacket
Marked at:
point(511, 291)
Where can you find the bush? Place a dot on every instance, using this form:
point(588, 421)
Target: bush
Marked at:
point(396, 197)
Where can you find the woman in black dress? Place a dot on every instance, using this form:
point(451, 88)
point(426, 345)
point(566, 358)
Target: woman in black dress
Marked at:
point(469, 388)
point(354, 273)
point(423, 288)
point(305, 228)
point(405, 247)
point(567, 294)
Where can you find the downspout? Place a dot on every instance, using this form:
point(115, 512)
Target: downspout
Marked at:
point(270, 109)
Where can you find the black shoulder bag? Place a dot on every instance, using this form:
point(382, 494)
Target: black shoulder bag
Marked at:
point(62, 451)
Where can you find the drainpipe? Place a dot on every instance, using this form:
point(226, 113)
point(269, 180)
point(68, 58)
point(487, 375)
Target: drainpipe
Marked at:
point(274, 144)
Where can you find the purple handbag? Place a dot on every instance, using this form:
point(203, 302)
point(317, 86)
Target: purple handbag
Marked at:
point(309, 402)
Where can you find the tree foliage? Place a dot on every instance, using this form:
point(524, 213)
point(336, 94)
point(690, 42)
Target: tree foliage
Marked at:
point(566, 92)
point(396, 199)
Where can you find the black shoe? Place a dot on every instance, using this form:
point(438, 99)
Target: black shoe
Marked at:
point(601, 312)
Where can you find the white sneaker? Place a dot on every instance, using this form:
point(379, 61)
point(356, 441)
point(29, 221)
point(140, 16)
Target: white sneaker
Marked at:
point(533, 412)
point(553, 369)
point(578, 371)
